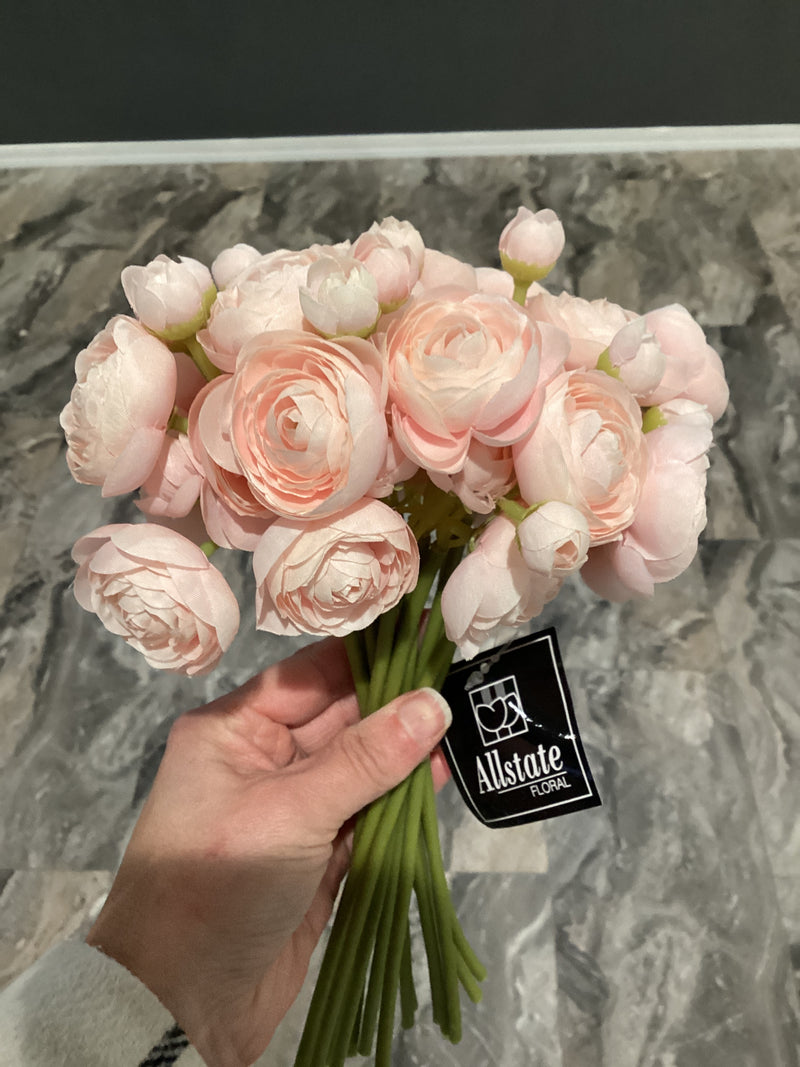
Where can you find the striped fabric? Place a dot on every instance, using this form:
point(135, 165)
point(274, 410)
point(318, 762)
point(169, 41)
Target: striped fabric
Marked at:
point(168, 1048)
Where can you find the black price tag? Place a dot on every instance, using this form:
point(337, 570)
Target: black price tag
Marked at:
point(513, 746)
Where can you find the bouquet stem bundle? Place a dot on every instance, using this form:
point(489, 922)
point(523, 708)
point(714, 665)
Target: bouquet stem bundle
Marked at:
point(396, 851)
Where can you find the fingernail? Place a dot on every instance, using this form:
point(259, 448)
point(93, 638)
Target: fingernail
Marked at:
point(425, 715)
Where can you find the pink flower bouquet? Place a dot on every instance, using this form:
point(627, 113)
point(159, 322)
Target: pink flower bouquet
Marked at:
point(417, 453)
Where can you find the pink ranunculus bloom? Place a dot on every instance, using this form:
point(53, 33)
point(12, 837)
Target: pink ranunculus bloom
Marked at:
point(334, 575)
point(395, 270)
point(308, 426)
point(638, 358)
point(493, 591)
point(173, 486)
point(340, 297)
point(231, 262)
point(233, 516)
point(461, 365)
point(693, 369)
point(487, 475)
point(119, 408)
point(397, 468)
point(157, 591)
point(401, 234)
point(587, 450)
point(440, 269)
point(492, 280)
point(554, 539)
point(169, 298)
point(531, 243)
point(264, 296)
point(662, 540)
point(590, 324)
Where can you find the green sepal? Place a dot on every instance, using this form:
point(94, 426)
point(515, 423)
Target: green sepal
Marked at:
point(186, 329)
point(604, 364)
point(653, 418)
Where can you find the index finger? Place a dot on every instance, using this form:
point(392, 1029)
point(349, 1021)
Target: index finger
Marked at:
point(297, 689)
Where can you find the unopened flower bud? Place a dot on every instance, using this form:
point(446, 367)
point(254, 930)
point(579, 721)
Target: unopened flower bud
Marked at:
point(171, 299)
point(638, 357)
point(531, 243)
point(554, 539)
point(231, 262)
point(340, 297)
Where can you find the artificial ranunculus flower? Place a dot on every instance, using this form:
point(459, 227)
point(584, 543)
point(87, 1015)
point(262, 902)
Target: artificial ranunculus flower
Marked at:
point(461, 365)
point(159, 592)
point(264, 296)
point(233, 516)
point(340, 297)
point(637, 357)
point(554, 539)
point(661, 542)
point(171, 299)
point(587, 450)
point(440, 270)
point(119, 408)
point(397, 468)
point(394, 269)
point(231, 262)
point(493, 591)
point(334, 575)
point(308, 427)
point(172, 487)
point(590, 324)
point(492, 280)
point(531, 243)
point(693, 369)
point(401, 234)
point(487, 475)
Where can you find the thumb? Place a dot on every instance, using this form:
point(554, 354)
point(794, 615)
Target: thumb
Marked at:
point(368, 759)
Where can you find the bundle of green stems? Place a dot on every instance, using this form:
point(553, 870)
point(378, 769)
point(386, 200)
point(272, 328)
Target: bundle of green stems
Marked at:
point(396, 850)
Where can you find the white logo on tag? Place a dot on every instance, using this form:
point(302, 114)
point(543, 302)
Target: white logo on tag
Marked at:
point(498, 711)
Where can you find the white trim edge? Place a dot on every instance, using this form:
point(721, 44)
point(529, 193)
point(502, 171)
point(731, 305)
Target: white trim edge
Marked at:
point(403, 145)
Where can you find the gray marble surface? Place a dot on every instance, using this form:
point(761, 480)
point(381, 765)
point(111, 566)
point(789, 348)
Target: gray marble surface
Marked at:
point(660, 930)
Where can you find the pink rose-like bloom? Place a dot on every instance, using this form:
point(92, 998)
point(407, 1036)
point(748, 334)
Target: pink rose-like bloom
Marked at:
point(531, 243)
point(460, 365)
point(400, 234)
point(591, 325)
point(554, 539)
point(340, 297)
point(308, 426)
point(264, 296)
point(662, 540)
point(693, 369)
point(233, 516)
point(394, 269)
point(587, 450)
point(159, 593)
point(636, 354)
point(487, 474)
point(440, 270)
point(167, 296)
point(119, 408)
point(173, 486)
point(334, 575)
point(493, 591)
point(397, 468)
point(231, 262)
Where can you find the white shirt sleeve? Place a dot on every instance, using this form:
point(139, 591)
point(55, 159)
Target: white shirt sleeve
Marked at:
point(76, 1006)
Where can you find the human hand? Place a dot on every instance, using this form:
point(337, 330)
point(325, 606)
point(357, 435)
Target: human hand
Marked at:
point(234, 865)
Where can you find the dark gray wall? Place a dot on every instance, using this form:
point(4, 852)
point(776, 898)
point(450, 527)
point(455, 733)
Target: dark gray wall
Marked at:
point(106, 71)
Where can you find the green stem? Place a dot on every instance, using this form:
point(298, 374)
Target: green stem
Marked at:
point(521, 291)
point(209, 547)
point(177, 422)
point(198, 354)
point(354, 646)
point(405, 880)
point(408, 995)
point(383, 654)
